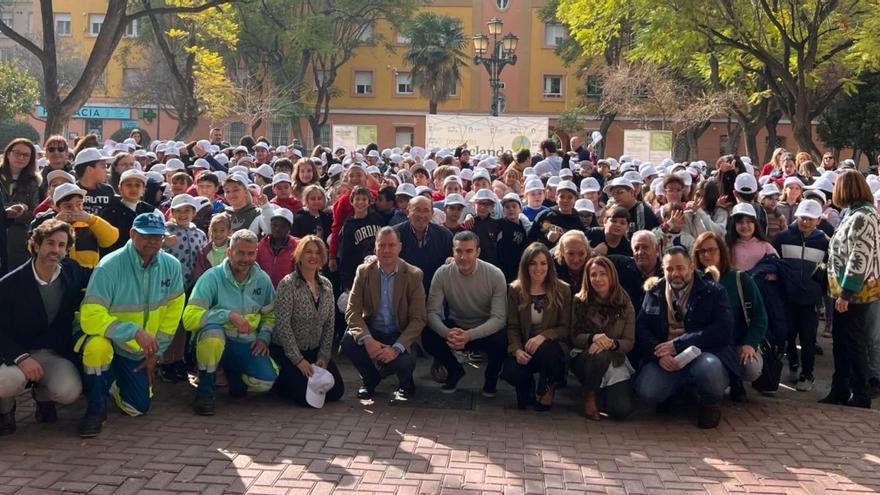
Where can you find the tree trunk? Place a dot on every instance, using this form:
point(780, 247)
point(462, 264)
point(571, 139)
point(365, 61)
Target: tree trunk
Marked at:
point(770, 124)
point(607, 120)
point(432, 107)
point(802, 128)
point(751, 138)
point(315, 126)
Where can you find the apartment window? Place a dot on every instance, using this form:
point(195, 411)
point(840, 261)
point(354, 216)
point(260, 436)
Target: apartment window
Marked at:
point(235, 132)
point(502, 4)
point(554, 33)
point(5, 54)
point(594, 86)
point(101, 83)
point(366, 35)
point(6, 18)
point(552, 86)
point(131, 30)
point(95, 23)
point(403, 136)
point(453, 93)
point(363, 82)
point(278, 133)
point(324, 135)
point(403, 82)
point(131, 78)
point(642, 91)
point(401, 39)
point(62, 24)
point(95, 126)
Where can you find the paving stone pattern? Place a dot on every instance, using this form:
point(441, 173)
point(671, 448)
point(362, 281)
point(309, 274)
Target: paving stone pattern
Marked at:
point(263, 446)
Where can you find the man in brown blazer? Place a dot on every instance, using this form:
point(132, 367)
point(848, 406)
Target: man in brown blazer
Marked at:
point(385, 315)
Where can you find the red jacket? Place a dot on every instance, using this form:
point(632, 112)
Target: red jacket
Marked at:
point(291, 203)
point(276, 266)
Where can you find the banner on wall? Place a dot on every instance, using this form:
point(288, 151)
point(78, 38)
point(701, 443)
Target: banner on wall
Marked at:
point(484, 134)
point(354, 136)
point(647, 146)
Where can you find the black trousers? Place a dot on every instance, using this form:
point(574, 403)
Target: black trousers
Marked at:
point(849, 336)
point(495, 347)
point(403, 366)
point(548, 362)
point(803, 324)
point(616, 400)
point(291, 384)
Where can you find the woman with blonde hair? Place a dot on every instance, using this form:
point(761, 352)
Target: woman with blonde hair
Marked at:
point(775, 162)
point(854, 283)
point(602, 333)
point(572, 253)
point(304, 325)
point(538, 320)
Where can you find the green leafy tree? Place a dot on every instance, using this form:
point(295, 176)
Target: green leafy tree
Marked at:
point(853, 121)
point(300, 45)
point(808, 50)
point(436, 55)
point(18, 91)
point(119, 14)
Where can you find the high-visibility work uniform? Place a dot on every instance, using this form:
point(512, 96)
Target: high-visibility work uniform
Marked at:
point(218, 341)
point(123, 296)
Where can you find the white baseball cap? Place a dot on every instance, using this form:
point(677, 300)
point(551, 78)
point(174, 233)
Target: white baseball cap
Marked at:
point(744, 209)
point(201, 163)
point(481, 173)
point(590, 184)
point(184, 200)
point(281, 177)
point(262, 145)
point(467, 174)
point(824, 184)
point(584, 205)
point(634, 177)
point(534, 185)
point(485, 195)
point(406, 189)
point(769, 189)
point(454, 199)
point(511, 196)
point(809, 208)
point(265, 170)
point(792, 180)
point(335, 169)
point(746, 184)
point(133, 174)
point(89, 155)
point(62, 174)
point(282, 212)
point(174, 165)
point(319, 384)
point(815, 194)
point(617, 182)
point(65, 190)
point(566, 185)
point(566, 172)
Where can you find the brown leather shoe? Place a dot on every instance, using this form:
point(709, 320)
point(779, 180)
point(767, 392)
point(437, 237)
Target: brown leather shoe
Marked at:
point(591, 409)
point(545, 401)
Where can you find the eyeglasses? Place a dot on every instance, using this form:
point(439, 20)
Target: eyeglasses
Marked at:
point(708, 251)
point(60, 149)
point(19, 154)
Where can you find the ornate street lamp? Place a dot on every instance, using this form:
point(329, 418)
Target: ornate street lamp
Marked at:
point(502, 54)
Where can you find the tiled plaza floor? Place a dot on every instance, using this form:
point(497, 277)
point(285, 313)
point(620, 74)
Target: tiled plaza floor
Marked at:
point(786, 444)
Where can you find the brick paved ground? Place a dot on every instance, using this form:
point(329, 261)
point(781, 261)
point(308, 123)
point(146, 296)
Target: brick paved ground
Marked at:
point(787, 444)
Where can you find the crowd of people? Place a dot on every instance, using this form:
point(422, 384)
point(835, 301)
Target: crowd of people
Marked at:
point(253, 266)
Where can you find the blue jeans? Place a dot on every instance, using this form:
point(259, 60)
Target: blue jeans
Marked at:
point(706, 372)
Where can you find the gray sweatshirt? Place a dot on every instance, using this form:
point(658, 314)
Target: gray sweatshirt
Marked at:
point(476, 302)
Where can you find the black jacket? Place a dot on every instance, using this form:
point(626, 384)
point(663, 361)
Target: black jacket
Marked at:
point(708, 323)
point(2, 238)
point(538, 231)
point(121, 217)
point(511, 244)
point(488, 229)
point(23, 322)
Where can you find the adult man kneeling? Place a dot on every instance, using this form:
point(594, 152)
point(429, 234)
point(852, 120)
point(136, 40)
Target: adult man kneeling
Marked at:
point(129, 315)
point(683, 309)
point(385, 315)
point(231, 311)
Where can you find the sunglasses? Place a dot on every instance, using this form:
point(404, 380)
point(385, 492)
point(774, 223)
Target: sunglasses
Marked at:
point(59, 149)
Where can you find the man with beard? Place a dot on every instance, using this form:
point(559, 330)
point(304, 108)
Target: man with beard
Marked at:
point(684, 309)
point(231, 312)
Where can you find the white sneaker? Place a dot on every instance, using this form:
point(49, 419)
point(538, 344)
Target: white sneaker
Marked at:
point(804, 384)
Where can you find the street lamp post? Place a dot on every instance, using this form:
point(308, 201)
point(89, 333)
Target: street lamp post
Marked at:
point(502, 55)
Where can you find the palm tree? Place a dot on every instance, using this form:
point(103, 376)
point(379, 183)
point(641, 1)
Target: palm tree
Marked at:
point(435, 54)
